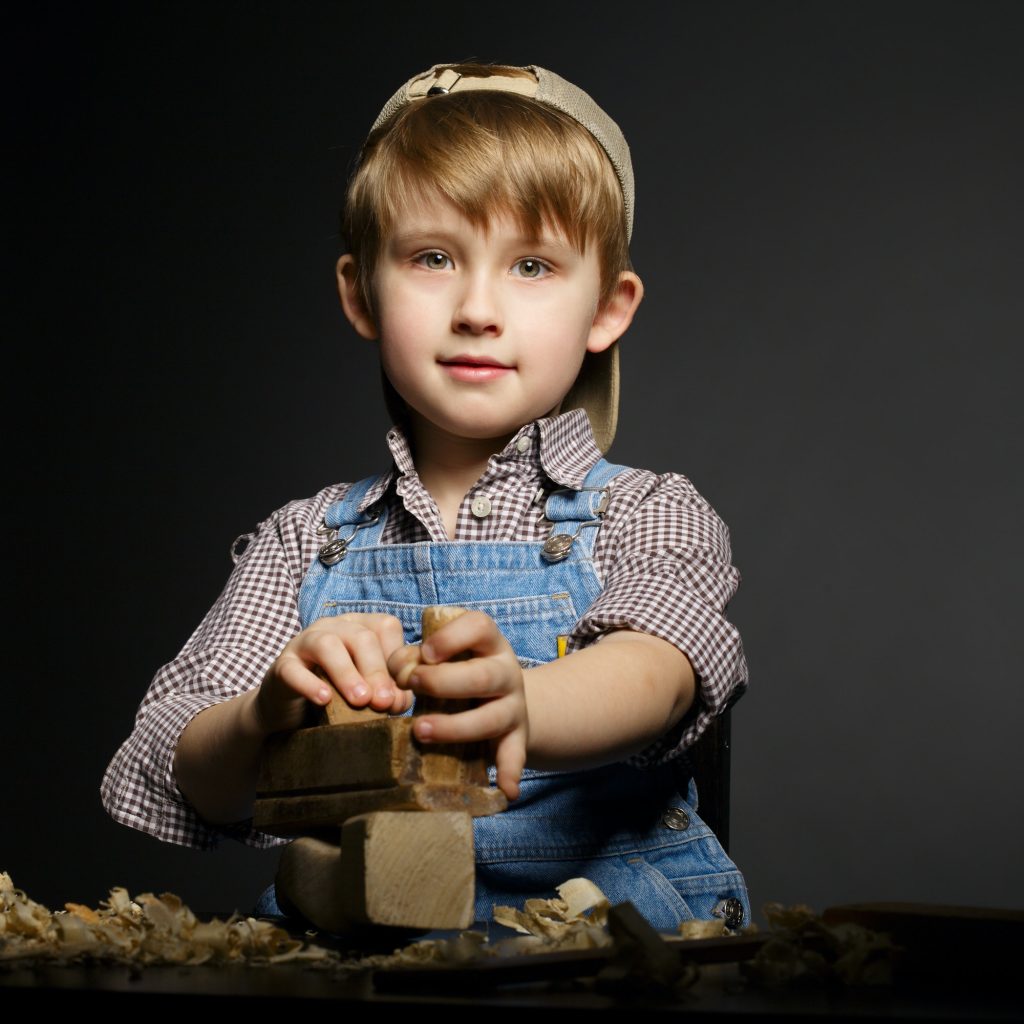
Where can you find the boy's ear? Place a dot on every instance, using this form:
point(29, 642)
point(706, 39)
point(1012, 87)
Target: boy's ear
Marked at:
point(352, 300)
point(615, 316)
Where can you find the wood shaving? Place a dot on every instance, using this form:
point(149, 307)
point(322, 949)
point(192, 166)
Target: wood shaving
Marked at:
point(146, 930)
point(802, 949)
point(579, 909)
point(155, 930)
point(697, 929)
point(576, 919)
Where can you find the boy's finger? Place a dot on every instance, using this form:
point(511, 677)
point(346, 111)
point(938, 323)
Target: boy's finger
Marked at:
point(463, 680)
point(510, 760)
point(364, 648)
point(402, 663)
point(301, 681)
point(472, 632)
point(333, 654)
point(484, 722)
point(402, 702)
point(389, 632)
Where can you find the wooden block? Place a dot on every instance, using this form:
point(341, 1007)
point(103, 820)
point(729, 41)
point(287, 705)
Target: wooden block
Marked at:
point(333, 757)
point(409, 870)
point(400, 870)
point(371, 755)
point(306, 813)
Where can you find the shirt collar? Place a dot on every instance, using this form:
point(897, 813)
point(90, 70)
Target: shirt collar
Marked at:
point(563, 445)
point(568, 450)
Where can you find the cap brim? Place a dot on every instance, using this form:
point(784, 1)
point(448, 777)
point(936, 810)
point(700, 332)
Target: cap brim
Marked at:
point(596, 391)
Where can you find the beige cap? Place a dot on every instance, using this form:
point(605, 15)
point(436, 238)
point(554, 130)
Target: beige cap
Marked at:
point(597, 387)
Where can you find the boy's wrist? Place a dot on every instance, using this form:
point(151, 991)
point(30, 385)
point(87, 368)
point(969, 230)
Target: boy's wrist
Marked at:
point(252, 721)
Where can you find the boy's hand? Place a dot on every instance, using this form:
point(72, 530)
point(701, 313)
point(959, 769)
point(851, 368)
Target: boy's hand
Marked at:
point(350, 652)
point(492, 676)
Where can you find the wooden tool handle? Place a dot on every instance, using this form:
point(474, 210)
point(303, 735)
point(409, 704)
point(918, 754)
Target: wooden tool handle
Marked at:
point(437, 615)
point(460, 763)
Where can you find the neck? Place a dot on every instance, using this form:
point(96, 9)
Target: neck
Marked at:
point(448, 465)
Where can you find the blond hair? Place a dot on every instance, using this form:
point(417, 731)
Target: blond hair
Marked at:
point(489, 153)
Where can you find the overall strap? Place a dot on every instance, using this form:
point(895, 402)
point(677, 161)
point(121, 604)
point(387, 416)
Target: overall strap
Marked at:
point(343, 521)
point(584, 505)
point(601, 473)
point(345, 512)
point(571, 511)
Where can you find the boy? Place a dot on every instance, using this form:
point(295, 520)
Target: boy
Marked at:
point(488, 223)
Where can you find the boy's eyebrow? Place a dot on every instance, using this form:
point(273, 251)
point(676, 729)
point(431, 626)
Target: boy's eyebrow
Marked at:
point(420, 232)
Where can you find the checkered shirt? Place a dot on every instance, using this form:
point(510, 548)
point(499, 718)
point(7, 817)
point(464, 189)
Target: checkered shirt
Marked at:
point(662, 555)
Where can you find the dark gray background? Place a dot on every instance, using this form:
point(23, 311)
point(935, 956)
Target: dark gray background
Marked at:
point(829, 228)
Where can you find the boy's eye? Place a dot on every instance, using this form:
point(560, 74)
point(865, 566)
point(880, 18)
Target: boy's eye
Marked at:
point(434, 260)
point(531, 268)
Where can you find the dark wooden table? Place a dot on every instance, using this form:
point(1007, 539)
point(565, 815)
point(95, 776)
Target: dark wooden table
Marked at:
point(718, 996)
point(962, 966)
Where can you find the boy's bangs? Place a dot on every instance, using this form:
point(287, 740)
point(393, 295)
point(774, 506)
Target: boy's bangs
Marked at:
point(535, 169)
point(491, 154)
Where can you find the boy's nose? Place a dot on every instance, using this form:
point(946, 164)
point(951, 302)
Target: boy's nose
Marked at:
point(478, 310)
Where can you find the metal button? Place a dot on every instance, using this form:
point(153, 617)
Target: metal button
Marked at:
point(730, 910)
point(481, 507)
point(676, 818)
point(556, 548)
point(333, 552)
point(523, 444)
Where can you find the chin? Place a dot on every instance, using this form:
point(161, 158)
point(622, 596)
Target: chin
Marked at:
point(485, 431)
point(475, 427)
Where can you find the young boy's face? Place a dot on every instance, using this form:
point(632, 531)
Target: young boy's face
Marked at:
point(481, 330)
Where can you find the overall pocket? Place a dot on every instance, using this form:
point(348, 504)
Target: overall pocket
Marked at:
point(532, 625)
point(695, 874)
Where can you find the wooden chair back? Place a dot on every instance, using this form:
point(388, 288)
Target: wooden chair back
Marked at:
point(709, 759)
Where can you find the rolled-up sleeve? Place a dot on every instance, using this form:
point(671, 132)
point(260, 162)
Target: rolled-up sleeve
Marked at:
point(666, 564)
point(228, 654)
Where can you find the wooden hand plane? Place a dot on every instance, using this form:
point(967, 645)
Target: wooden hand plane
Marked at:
point(363, 772)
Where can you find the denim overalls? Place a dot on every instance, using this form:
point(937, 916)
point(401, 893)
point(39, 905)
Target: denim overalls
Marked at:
point(628, 830)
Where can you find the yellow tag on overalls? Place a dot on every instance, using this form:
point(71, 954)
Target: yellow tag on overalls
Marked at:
point(563, 642)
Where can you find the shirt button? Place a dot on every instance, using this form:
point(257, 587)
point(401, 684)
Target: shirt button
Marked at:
point(481, 507)
point(676, 818)
point(523, 444)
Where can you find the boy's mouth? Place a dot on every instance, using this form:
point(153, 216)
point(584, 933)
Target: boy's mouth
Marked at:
point(474, 368)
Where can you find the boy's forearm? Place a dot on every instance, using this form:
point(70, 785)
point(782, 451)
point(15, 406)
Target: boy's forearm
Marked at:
point(217, 759)
point(606, 702)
